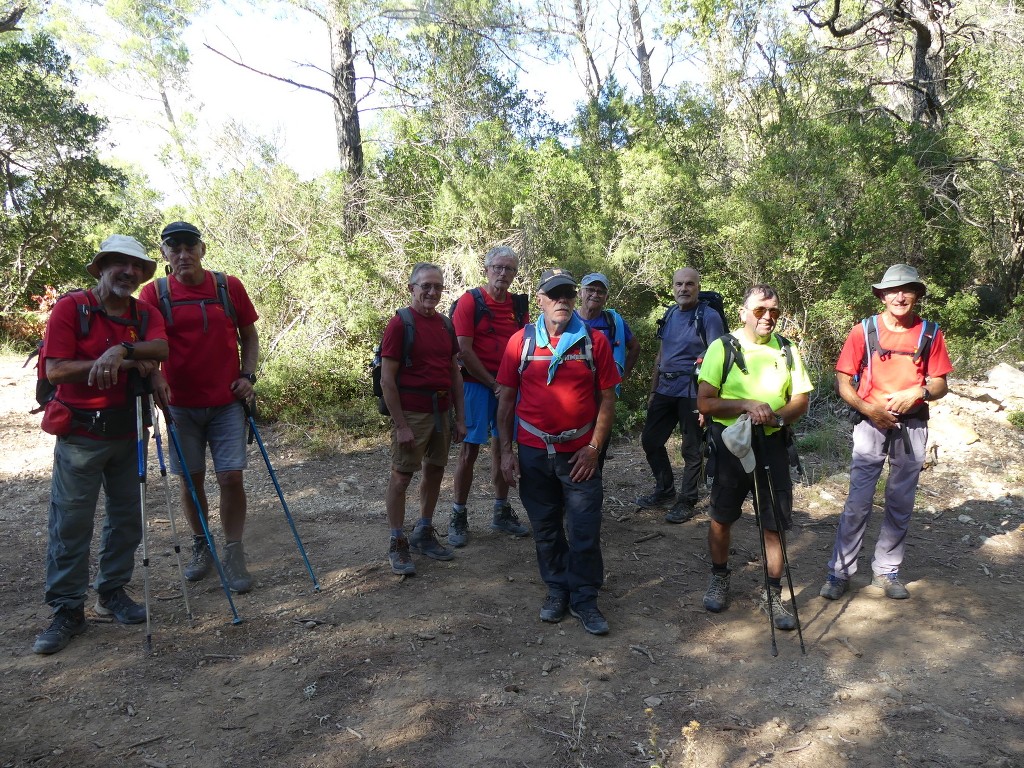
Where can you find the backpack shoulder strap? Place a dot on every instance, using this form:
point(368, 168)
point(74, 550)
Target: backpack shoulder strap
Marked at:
point(163, 294)
point(733, 356)
point(929, 329)
point(609, 320)
point(787, 349)
point(529, 343)
point(408, 335)
point(663, 320)
point(698, 321)
point(521, 308)
point(480, 307)
point(221, 280)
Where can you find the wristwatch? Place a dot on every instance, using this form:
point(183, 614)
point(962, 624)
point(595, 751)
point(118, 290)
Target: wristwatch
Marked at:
point(129, 350)
point(250, 376)
point(781, 422)
point(927, 395)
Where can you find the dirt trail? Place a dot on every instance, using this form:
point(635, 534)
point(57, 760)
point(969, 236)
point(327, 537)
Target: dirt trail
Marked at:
point(453, 668)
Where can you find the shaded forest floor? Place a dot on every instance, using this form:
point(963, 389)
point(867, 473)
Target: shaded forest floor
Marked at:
point(452, 667)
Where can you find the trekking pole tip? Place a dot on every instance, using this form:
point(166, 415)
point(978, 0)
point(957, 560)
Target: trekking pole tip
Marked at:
point(237, 620)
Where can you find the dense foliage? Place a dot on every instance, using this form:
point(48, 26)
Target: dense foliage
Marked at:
point(805, 158)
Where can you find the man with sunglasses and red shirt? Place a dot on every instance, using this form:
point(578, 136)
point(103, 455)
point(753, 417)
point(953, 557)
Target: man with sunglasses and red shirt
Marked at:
point(888, 384)
point(772, 393)
point(204, 383)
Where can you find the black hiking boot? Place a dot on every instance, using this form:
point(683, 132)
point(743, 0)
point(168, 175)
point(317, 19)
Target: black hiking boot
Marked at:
point(67, 623)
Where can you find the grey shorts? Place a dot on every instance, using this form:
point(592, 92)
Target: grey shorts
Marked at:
point(222, 428)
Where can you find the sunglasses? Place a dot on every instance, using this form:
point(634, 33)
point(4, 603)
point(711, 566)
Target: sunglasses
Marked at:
point(183, 241)
point(557, 295)
point(773, 313)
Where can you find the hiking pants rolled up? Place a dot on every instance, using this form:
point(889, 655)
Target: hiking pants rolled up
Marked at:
point(566, 521)
point(900, 489)
point(81, 466)
point(663, 413)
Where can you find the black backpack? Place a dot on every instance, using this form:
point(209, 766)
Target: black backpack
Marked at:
point(705, 300)
point(165, 303)
point(520, 307)
point(86, 309)
point(408, 337)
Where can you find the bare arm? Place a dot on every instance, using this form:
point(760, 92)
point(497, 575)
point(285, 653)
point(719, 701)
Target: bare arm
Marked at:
point(507, 397)
point(655, 374)
point(458, 401)
point(584, 461)
point(473, 365)
point(632, 355)
point(389, 385)
point(710, 404)
point(103, 371)
point(250, 340)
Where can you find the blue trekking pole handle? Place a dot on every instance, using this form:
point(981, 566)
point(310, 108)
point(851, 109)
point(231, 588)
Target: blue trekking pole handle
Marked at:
point(254, 431)
point(172, 430)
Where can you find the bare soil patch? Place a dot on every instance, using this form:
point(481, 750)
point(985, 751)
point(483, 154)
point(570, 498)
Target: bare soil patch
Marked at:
point(453, 668)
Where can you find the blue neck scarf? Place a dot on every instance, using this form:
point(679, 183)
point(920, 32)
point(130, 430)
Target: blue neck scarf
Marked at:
point(574, 331)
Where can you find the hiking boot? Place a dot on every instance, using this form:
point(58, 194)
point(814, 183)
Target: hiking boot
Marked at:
point(116, 603)
point(67, 623)
point(656, 498)
point(458, 528)
point(202, 559)
point(717, 595)
point(398, 557)
point(507, 521)
point(681, 512)
point(592, 619)
point(890, 582)
point(554, 609)
point(235, 571)
point(780, 614)
point(834, 587)
point(424, 540)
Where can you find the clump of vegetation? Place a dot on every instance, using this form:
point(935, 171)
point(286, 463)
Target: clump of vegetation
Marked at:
point(1016, 418)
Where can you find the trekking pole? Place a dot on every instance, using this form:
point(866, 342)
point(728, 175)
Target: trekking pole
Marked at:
point(172, 430)
point(759, 442)
point(280, 494)
point(764, 561)
point(170, 508)
point(140, 442)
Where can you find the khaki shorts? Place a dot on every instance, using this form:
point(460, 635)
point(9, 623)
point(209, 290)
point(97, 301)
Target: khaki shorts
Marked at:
point(431, 446)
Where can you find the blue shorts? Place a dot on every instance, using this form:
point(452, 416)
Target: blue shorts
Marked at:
point(223, 428)
point(481, 413)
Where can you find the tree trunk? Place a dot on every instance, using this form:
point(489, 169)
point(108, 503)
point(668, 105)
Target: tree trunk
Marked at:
point(643, 56)
point(346, 110)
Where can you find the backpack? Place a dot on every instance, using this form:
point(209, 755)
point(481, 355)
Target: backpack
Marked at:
point(408, 337)
point(530, 347)
point(705, 300)
point(165, 303)
point(45, 391)
point(869, 325)
point(520, 307)
point(734, 357)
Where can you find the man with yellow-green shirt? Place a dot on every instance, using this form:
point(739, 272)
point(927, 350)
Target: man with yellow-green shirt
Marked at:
point(767, 381)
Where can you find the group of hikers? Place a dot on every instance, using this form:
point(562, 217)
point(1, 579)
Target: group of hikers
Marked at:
point(541, 393)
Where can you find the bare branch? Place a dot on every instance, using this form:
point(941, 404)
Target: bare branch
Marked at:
point(303, 86)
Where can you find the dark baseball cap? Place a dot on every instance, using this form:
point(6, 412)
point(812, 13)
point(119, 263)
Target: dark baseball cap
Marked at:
point(553, 278)
point(180, 228)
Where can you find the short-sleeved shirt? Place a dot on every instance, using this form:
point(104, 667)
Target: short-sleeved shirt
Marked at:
point(681, 346)
point(897, 371)
point(492, 334)
point(768, 378)
point(569, 402)
point(204, 361)
point(600, 323)
point(62, 342)
point(433, 348)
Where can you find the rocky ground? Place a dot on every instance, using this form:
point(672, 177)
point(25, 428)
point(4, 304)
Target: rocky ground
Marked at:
point(453, 668)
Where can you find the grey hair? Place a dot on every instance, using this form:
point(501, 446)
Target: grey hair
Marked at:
point(422, 266)
point(498, 252)
point(763, 290)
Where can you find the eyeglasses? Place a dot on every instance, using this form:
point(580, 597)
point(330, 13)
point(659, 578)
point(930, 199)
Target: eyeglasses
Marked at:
point(773, 312)
point(557, 295)
point(428, 287)
point(184, 241)
point(504, 268)
point(596, 291)
point(903, 290)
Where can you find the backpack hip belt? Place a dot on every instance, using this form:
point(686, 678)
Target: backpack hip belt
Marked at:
point(552, 440)
point(104, 422)
point(673, 375)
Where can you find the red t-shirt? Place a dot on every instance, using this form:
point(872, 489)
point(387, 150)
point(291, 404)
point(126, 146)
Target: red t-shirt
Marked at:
point(433, 348)
point(491, 336)
point(569, 402)
point(61, 342)
point(203, 365)
point(897, 371)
